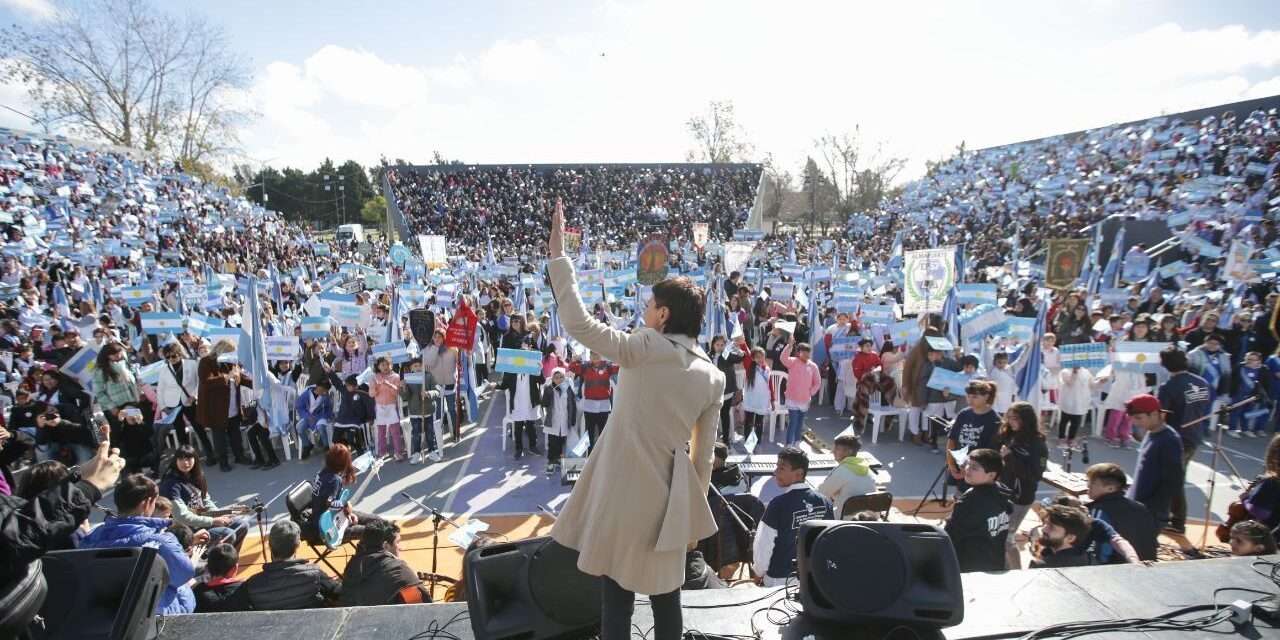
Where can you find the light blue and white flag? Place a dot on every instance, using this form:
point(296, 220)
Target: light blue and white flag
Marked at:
point(518, 361)
point(982, 321)
point(1087, 355)
point(158, 323)
point(81, 365)
point(397, 351)
point(1022, 329)
point(315, 327)
point(150, 374)
point(1138, 356)
point(877, 314)
point(282, 348)
point(199, 324)
point(137, 296)
point(976, 293)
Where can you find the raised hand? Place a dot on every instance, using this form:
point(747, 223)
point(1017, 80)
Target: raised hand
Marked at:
point(555, 243)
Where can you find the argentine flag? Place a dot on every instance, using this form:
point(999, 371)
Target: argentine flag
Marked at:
point(518, 361)
point(315, 327)
point(396, 351)
point(136, 296)
point(1138, 356)
point(160, 323)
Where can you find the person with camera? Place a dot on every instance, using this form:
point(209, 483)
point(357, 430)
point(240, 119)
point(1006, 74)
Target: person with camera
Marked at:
point(55, 434)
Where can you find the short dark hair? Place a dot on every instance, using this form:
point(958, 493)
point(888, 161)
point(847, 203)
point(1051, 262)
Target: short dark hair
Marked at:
point(183, 533)
point(866, 515)
point(324, 383)
point(133, 490)
point(795, 457)
point(849, 441)
point(1173, 359)
point(378, 533)
point(686, 302)
point(1074, 520)
point(969, 360)
point(1216, 337)
point(721, 451)
point(222, 559)
point(982, 388)
point(1108, 473)
point(988, 459)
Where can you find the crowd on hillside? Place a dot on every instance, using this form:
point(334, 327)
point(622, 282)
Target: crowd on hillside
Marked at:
point(614, 205)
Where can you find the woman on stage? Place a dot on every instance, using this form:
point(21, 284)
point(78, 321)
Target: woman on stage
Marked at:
point(338, 473)
point(641, 499)
point(185, 486)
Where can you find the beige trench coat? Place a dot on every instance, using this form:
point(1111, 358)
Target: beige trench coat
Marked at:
point(642, 497)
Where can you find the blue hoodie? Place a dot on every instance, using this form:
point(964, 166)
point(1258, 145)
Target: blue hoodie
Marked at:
point(137, 531)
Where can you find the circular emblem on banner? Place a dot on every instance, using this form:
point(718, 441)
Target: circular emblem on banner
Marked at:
point(929, 279)
point(652, 260)
point(399, 253)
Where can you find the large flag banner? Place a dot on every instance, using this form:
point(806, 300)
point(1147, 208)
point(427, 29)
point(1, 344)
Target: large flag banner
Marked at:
point(652, 259)
point(1238, 267)
point(1143, 357)
point(976, 293)
point(159, 323)
point(1088, 355)
point(1065, 260)
point(736, 255)
point(1022, 329)
point(906, 332)
point(435, 251)
point(929, 275)
point(518, 361)
point(282, 348)
point(843, 347)
point(701, 233)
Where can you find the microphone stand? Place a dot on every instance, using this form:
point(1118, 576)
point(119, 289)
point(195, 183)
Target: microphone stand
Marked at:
point(260, 512)
point(436, 519)
point(1224, 414)
point(942, 499)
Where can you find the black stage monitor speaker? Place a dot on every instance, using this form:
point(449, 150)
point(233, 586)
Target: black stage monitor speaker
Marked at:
point(879, 572)
point(108, 594)
point(531, 590)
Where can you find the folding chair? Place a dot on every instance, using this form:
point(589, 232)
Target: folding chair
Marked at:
point(880, 502)
point(299, 502)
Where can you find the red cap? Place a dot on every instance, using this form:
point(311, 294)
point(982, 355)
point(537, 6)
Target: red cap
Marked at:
point(1142, 403)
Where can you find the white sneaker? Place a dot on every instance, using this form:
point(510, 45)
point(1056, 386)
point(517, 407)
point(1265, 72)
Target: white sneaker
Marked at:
point(1234, 434)
point(1253, 434)
point(435, 456)
point(416, 458)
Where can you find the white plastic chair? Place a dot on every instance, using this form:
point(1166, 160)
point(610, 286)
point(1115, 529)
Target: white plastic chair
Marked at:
point(879, 413)
point(779, 413)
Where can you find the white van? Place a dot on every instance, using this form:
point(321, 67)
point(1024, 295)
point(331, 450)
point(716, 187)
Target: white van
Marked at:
point(350, 233)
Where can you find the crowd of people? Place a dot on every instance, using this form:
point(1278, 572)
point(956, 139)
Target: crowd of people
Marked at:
point(106, 252)
point(613, 205)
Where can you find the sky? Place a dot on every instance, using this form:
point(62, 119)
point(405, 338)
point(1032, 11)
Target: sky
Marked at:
point(616, 81)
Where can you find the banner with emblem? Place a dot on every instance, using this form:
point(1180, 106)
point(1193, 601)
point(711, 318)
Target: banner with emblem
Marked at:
point(928, 275)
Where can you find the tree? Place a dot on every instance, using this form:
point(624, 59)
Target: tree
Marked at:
point(861, 178)
point(303, 196)
point(777, 184)
point(374, 211)
point(125, 72)
point(822, 202)
point(717, 135)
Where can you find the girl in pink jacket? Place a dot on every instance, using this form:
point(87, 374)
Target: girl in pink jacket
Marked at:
point(803, 382)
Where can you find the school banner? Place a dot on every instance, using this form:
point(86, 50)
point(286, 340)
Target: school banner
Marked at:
point(928, 275)
point(1066, 258)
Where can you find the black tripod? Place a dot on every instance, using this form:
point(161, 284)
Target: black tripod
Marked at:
point(942, 473)
point(260, 513)
point(436, 518)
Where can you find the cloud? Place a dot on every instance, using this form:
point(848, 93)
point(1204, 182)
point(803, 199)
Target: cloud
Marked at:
point(35, 9)
point(1168, 51)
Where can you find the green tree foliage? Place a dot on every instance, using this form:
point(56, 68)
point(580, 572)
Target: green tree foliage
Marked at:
point(309, 197)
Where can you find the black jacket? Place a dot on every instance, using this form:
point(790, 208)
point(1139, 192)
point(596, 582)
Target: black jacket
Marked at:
point(978, 527)
point(726, 364)
point(290, 584)
point(1023, 468)
point(225, 597)
point(29, 528)
point(376, 578)
point(1071, 557)
point(1131, 519)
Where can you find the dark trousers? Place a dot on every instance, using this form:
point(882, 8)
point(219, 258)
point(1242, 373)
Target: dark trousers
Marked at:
point(135, 441)
point(726, 423)
point(753, 422)
point(595, 427)
point(555, 448)
point(1069, 425)
point(260, 442)
point(229, 435)
point(1178, 506)
point(617, 605)
point(523, 427)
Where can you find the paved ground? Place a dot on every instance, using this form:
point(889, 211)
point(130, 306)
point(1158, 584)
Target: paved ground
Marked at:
point(478, 478)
